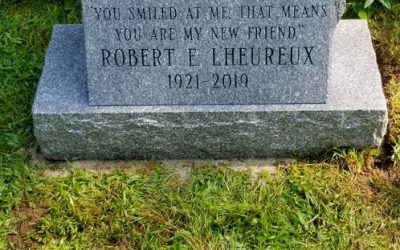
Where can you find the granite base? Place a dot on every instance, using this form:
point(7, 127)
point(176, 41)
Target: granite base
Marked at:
point(66, 126)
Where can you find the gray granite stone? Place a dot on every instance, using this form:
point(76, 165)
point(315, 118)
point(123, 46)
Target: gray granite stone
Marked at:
point(174, 52)
point(340, 8)
point(66, 126)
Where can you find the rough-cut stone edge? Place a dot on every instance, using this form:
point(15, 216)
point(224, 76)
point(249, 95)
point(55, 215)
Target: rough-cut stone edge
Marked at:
point(356, 107)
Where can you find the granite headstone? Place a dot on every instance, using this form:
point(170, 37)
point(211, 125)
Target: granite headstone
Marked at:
point(175, 52)
point(164, 79)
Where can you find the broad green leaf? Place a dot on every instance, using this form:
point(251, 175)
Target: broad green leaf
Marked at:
point(368, 3)
point(386, 3)
point(362, 14)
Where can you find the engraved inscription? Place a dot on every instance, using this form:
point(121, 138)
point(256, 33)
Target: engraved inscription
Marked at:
point(205, 47)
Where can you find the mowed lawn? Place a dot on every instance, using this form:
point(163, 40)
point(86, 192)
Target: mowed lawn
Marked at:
point(344, 199)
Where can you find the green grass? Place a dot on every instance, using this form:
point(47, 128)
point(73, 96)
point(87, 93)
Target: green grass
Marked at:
point(306, 206)
point(343, 200)
point(25, 28)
